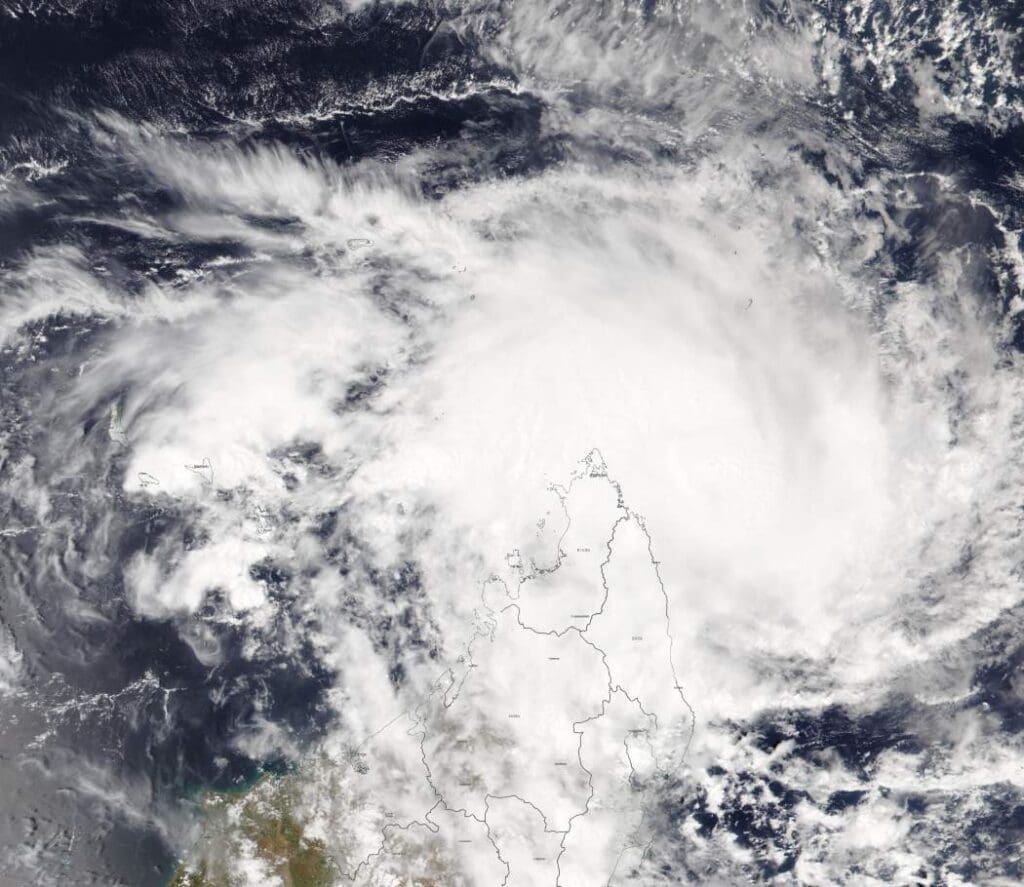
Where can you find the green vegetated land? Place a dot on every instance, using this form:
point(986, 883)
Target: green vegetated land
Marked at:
point(260, 823)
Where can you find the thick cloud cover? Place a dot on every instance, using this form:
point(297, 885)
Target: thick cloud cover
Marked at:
point(349, 385)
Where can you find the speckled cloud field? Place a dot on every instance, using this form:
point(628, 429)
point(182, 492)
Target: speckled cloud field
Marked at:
point(511, 443)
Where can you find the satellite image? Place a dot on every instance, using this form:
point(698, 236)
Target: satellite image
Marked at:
point(511, 443)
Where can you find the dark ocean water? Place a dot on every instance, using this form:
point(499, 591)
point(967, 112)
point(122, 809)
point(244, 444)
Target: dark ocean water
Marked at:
point(124, 697)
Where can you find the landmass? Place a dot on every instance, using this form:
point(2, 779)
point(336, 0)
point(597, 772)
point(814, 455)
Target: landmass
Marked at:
point(527, 761)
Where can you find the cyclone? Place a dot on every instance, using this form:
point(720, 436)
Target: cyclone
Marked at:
point(511, 442)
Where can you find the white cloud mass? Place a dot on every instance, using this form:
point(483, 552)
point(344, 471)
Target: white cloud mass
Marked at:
point(823, 453)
